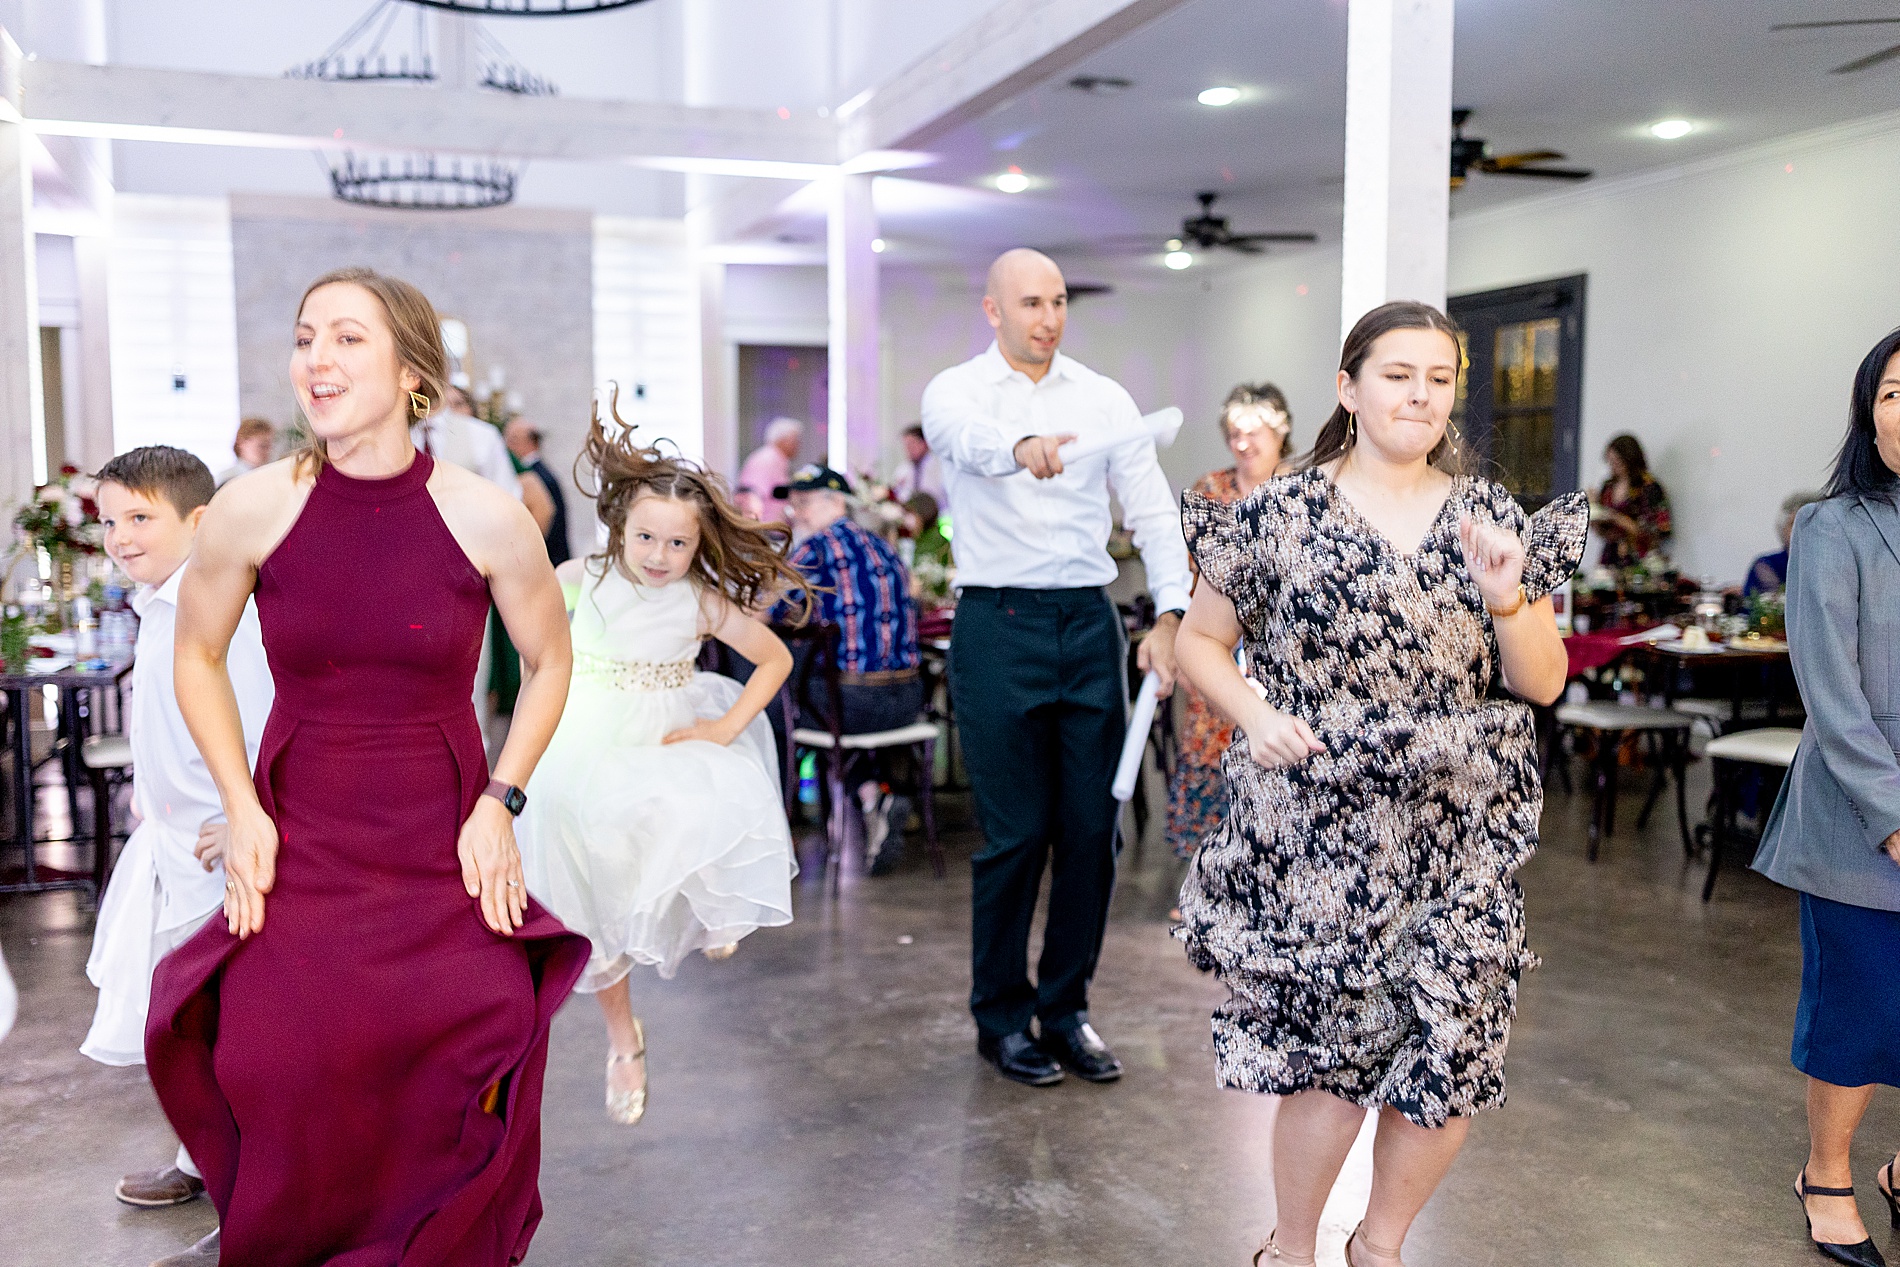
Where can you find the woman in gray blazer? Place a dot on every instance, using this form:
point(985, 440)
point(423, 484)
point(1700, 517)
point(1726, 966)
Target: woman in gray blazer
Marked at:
point(1834, 834)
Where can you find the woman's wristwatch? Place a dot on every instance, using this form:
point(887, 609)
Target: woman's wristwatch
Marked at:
point(512, 798)
point(1512, 610)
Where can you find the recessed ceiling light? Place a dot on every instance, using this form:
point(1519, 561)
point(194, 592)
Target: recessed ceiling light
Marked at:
point(1178, 260)
point(1175, 244)
point(1671, 129)
point(1012, 181)
point(1221, 96)
point(879, 245)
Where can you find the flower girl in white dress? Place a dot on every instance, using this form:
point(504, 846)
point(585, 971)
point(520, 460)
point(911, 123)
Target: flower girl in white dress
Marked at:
point(654, 824)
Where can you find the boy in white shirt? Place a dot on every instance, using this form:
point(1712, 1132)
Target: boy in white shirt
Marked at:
point(170, 877)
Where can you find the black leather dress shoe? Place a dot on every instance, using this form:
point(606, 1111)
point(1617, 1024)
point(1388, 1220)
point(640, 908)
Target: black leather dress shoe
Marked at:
point(1017, 1058)
point(1081, 1050)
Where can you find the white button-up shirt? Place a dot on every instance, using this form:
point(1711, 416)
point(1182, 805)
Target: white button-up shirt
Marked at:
point(1012, 530)
point(160, 893)
point(172, 790)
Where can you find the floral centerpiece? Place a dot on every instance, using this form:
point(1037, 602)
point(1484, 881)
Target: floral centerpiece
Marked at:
point(878, 509)
point(61, 519)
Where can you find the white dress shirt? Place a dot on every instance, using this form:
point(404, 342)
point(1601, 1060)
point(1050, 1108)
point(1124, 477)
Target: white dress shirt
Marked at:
point(159, 892)
point(1016, 531)
point(469, 443)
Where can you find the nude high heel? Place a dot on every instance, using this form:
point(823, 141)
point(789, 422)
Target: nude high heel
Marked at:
point(1272, 1250)
point(627, 1107)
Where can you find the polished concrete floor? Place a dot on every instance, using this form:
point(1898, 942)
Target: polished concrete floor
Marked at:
point(816, 1099)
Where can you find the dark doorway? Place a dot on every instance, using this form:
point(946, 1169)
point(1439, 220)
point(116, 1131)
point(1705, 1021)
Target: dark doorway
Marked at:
point(783, 381)
point(1520, 406)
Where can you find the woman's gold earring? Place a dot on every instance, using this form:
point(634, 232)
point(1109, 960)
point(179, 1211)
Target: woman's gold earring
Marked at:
point(418, 404)
point(1352, 427)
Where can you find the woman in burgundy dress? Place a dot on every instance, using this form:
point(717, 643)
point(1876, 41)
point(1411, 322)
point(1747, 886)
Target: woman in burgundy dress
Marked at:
point(355, 1055)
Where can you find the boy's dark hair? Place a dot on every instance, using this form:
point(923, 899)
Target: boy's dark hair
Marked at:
point(158, 470)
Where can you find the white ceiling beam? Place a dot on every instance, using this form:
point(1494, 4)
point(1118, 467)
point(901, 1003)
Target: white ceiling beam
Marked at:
point(1006, 52)
point(140, 103)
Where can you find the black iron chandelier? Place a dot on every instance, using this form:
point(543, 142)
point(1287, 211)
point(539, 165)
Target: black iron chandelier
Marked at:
point(382, 48)
point(529, 8)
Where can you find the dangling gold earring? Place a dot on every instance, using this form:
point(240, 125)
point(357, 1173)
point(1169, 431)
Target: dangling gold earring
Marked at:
point(1457, 437)
point(1352, 428)
point(418, 405)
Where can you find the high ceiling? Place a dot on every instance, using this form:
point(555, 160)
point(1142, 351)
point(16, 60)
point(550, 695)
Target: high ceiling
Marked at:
point(1584, 77)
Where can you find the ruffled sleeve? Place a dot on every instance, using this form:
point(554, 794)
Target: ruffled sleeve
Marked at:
point(1553, 544)
point(1221, 537)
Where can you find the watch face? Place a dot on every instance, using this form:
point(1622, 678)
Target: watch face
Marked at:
point(516, 800)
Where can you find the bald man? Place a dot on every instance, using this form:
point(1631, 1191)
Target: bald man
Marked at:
point(1037, 656)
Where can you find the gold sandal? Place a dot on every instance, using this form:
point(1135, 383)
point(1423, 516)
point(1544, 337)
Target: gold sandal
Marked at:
point(627, 1107)
point(719, 953)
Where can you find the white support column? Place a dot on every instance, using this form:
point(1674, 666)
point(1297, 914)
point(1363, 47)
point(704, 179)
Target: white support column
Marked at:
point(90, 434)
point(719, 415)
point(20, 383)
point(1398, 154)
point(853, 358)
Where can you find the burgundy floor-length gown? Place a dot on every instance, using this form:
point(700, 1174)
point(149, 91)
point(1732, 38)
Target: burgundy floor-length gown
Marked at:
point(329, 1074)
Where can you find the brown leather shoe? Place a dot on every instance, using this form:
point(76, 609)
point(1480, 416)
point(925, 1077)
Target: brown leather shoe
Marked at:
point(203, 1254)
point(153, 1188)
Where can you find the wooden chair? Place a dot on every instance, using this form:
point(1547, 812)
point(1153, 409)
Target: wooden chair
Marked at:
point(108, 763)
point(1611, 723)
point(815, 647)
point(1767, 747)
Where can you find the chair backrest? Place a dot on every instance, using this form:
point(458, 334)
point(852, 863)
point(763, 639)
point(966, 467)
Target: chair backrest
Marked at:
point(814, 650)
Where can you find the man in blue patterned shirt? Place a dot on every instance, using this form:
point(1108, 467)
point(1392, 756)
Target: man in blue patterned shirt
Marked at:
point(859, 585)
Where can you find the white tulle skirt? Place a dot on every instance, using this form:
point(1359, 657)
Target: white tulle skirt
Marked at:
point(653, 851)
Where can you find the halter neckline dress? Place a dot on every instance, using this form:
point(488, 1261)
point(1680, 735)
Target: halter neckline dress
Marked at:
point(360, 1081)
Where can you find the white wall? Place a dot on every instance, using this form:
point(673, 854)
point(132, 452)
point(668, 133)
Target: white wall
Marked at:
point(646, 328)
point(173, 311)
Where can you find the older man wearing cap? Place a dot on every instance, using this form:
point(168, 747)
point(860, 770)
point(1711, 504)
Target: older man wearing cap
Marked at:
point(1037, 657)
point(859, 585)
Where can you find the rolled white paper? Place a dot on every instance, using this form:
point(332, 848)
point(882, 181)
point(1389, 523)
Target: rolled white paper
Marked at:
point(1143, 720)
point(1159, 427)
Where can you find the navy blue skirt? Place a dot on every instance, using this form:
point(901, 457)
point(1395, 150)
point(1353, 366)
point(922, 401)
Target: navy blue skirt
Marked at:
point(1847, 1028)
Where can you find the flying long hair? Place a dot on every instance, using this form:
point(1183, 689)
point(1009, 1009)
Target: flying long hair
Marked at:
point(739, 557)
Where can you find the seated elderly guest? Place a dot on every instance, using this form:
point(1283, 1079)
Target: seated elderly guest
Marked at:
point(1770, 572)
point(860, 586)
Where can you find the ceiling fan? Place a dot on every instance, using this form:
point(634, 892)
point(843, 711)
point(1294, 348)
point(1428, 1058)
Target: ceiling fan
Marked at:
point(1472, 154)
point(1859, 63)
point(1209, 231)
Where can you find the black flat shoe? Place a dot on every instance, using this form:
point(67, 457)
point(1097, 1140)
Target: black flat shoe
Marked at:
point(1017, 1058)
point(1886, 1190)
point(1081, 1050)
point(1865, 1254)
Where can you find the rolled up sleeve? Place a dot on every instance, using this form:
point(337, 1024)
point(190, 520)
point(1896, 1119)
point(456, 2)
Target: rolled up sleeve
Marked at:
point(1150, 513)
point(962, 434)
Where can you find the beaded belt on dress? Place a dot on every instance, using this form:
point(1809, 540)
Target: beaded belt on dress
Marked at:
point(634, 675)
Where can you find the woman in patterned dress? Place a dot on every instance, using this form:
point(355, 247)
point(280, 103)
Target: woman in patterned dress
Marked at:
point(1257, 426)
point(1633, 517)
point(1360, 902)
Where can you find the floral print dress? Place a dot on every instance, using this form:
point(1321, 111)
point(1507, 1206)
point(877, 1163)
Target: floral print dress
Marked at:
point(1197, 793)
point(1362, 905)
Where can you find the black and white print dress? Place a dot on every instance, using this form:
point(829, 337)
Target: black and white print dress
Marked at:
point(1362, 905)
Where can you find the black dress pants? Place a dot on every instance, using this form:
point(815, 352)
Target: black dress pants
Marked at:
point(1041, 696)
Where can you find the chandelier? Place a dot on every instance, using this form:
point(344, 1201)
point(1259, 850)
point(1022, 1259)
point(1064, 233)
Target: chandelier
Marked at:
point(529, 8)
point(383, 48)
